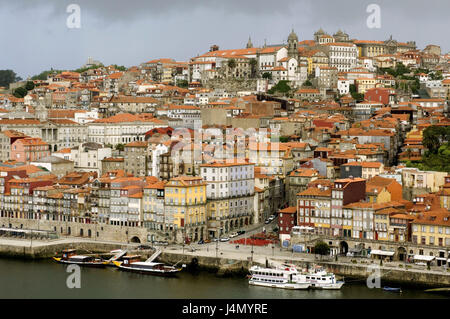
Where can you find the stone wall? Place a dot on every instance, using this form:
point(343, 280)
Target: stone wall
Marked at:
point(232, 85)
point(95, 231)
point(50, 250)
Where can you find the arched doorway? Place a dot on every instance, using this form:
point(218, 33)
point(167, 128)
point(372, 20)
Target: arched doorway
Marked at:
point(343, 247)
point(401, 253)
point(135, 239)
point(81, 232)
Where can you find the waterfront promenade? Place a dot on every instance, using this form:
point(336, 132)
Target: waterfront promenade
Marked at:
point(227, 257)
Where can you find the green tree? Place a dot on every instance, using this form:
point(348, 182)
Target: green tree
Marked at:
point(307, 83)
point(282, 87)
point(120, 147)
point(29, 86)
point(7, 77)
point(20, 92)
point(182, 83)
point(321, 248)
point(253, 67)
point(231, 63)
point(267, 75)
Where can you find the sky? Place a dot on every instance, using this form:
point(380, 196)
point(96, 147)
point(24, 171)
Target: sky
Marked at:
point(35, 35)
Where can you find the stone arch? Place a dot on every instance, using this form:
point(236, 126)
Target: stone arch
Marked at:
point(196, 234)
point(89, 233)
point(81, 232)
point(401, 253)
point(246, 221)
point(135, 239)
point(343, 247)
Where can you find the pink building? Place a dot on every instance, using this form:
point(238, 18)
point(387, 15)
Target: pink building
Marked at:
point(29, 149)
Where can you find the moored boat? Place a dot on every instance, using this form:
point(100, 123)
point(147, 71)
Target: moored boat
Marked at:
point(392, 289)
point(133, 263)
point(69, 256)
point(284, 278)
point(319, 278)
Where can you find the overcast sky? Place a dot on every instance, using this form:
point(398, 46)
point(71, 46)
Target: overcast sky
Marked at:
point(35, 36)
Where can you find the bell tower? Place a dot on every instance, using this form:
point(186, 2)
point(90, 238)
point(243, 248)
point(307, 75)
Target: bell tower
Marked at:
point(293, 45)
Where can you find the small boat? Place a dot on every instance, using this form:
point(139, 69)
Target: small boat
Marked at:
point(284, 278)
point(391, 289)
point(133, 263)
point(70, 257)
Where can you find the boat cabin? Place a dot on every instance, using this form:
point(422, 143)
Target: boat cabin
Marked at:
point(131, 259)
point(68, 253)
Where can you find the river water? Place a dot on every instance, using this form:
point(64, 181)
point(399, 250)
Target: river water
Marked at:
point(47, 279)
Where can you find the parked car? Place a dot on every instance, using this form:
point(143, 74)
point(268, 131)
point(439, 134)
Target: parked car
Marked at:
point(232, 235)
point(207, 241)
point(267, 221)
point(240, 232)
point(215, 239)
point(143, 247)
point(224, 239)
point(201, 242)
point(272, 217)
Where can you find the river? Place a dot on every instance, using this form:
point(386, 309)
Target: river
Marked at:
point(47, 279)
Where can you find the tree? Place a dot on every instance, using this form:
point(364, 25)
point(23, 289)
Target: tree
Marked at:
point(120, 147)
point(253, 63)
point(7, 77)
point(29, 86)
point(20, 92)
point(282, 87)
point(232, 63)
point(321, 248)
point(267, 75)
point(182, 83)
point(307, 83)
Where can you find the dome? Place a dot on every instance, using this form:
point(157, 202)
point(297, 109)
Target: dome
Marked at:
point(319, 32)
point(292, 36)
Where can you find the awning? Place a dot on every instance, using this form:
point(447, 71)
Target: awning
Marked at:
point(424, 258)
point(382, 252)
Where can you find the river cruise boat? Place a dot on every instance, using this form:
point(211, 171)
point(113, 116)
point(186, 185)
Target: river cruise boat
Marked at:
point(134, 264)
point(285, 278)
point(319, 278)
point(69, 256)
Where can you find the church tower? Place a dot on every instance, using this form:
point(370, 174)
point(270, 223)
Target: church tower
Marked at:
point(249, 43)
point(293, 45)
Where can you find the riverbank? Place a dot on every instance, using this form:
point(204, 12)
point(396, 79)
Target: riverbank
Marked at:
point(227, 262)
point(227, 265)
point(22, 249)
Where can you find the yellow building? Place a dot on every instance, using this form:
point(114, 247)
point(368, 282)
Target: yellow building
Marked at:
point(185, 206)
point(381, 223)
point(432, 228)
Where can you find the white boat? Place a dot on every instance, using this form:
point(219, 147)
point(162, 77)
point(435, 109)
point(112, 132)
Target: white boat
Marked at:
point(133, 263)
point(319, 278)
point(284, 278)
